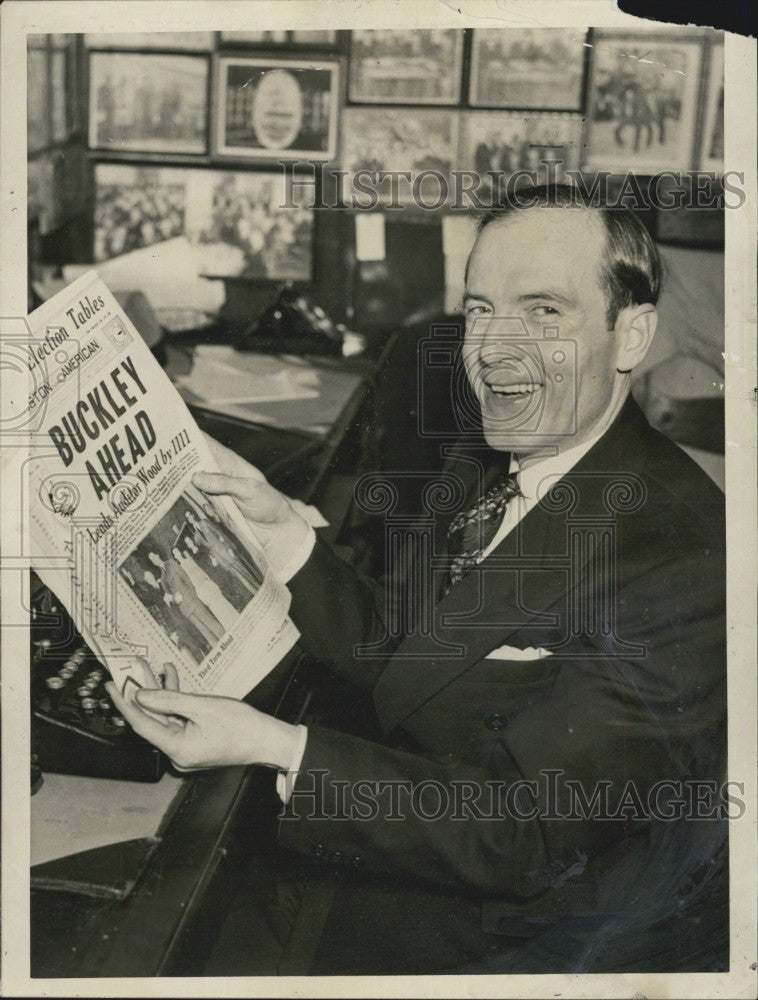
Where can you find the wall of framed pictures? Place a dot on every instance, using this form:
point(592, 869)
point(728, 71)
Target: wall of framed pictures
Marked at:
point(153, 111)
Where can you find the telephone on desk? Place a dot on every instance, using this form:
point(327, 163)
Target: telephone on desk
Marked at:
point(75, 727)
point(294, 324)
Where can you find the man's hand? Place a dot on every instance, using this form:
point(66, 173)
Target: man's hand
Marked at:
point(200, 731)
point(281, 531)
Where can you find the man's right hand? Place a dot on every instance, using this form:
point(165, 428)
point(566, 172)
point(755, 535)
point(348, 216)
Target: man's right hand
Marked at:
point(283, 534)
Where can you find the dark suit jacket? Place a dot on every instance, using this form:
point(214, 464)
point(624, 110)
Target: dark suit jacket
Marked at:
point(620, 573)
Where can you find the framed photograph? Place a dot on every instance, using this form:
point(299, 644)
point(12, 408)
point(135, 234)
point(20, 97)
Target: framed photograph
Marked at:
point(59, 103)
point(422, 142)
point(643, 102)
point(254, 37)
point(412, 66)
point(148, 103)
point(712, 138)
point(527, 68)
point(502, 143)
point(198, 41)
point(238, 220)
point(270, 109)
point(136, 207)
point(42, 200)
point(326, 39)
point(37, 107)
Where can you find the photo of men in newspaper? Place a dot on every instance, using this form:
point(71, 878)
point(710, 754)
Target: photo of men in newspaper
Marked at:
point(192, 575)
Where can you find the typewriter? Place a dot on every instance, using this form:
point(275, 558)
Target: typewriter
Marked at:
point(75, 727)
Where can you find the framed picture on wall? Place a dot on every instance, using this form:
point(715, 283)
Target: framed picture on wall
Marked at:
point(272, 109)
point(326, 39)
point(200, 41)
point(254, 37)
point(418, 66)
point(136, 206)
point(502, 143)
point(148, 103)
point(643, 101)
point(712, 138)
point(527, 68)
point(238, 221)
point(420, 141)
point(37, 100)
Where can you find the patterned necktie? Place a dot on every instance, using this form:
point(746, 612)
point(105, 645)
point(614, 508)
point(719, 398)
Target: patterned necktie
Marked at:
point(472, 530)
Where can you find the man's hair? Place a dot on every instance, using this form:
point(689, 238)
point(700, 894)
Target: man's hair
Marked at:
point(631, 274)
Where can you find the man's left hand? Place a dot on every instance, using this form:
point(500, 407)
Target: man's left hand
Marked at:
point(200, 731)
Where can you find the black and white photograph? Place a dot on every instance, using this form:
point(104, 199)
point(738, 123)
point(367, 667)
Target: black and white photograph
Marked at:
point(264, 38)
point(314, 36)
point(192, 576)
point(38, 121)
point(421, 141)
point(451, 313)
point(242, 217)
point(504, 143)
point(273, 109)
point(527, 68)
point(406, 67)
point(641, 118)
point(148, 102)
point(136, 206)
point(199, 41)
point(712, 148)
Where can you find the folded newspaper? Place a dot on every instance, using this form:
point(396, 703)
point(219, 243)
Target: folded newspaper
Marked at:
point(151, 569)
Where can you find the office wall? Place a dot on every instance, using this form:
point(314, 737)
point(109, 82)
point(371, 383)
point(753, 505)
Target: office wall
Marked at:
point(136, 139)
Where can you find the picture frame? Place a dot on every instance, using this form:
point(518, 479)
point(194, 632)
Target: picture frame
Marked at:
point(243, 227)
point(148, 103)
point(60, 95)
point(136, 206)
point(642, 103)
point(254, 37)
point(320, 37)
point(712, 133)
point(196, 41)
point(418, 140)
point(38, 124)
point(274, 109)
point(237, 220)
point(419, 66)
point(540, 68)
point(503, 143)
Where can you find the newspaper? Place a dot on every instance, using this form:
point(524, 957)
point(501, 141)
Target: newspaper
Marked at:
point(151, 569)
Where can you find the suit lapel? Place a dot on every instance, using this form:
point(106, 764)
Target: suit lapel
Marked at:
point(521, 587)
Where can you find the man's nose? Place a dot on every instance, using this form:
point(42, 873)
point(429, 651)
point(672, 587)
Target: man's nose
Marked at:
point(496, 338)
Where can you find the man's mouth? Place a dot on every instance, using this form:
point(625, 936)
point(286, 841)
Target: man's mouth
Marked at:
point(514, 389)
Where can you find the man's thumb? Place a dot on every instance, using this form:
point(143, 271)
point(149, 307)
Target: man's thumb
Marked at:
point(166, 702)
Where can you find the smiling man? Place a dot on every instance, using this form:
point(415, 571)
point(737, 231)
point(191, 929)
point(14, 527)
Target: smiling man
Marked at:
point(529, 800)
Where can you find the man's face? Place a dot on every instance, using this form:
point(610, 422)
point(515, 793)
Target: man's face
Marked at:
point(553, 382)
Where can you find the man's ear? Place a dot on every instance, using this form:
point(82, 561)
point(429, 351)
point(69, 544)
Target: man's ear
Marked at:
point(635, 328)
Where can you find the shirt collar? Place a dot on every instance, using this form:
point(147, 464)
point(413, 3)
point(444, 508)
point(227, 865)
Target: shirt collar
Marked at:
point(540, 476)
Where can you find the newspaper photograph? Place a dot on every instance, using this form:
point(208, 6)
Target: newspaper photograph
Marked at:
point(151, 569)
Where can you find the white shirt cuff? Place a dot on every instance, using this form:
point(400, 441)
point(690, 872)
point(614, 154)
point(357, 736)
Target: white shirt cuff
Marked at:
point(285, 780)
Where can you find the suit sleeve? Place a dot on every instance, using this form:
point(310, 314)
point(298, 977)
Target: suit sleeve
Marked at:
point(335, 611)
point(365, 805)
point(493, 823)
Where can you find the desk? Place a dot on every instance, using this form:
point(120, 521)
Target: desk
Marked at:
point(162, 926)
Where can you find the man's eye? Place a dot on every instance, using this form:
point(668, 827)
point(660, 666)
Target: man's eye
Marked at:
point(545, 311)
point(477, 310)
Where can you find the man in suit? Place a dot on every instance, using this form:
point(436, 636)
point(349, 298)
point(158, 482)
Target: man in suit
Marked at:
point(559, 693)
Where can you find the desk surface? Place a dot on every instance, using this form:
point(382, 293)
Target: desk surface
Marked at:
point(154, 931)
